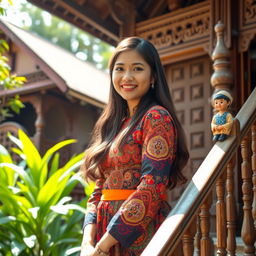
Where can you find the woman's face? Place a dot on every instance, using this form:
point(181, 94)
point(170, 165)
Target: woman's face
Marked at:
point(131, 77)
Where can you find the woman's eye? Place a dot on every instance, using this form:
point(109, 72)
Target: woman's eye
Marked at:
point(138, 69)
point(118, 69)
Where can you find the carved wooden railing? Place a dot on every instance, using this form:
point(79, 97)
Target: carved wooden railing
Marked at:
point(216, 171)
point(186, 230)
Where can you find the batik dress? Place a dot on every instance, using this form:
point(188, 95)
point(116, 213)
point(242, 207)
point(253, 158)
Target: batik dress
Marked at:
point(143, 164)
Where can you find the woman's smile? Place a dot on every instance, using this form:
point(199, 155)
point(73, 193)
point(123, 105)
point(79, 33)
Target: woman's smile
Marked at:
point(128, 87)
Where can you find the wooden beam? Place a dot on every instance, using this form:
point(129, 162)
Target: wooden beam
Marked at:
point(88, 15)
point(156, 7)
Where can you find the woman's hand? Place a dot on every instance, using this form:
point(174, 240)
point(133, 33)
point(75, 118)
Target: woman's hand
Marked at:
point(87, 250)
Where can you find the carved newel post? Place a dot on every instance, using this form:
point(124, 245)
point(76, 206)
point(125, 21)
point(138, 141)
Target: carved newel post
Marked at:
point(221, 81)
point(222, 78)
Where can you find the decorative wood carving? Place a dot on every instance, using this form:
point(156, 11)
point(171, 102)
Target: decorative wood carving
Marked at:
point(245, 40)
point(222, 76)
point(175, 30)
point(247, 24)
point(247, 232)
point(249, 11)
point(196, 91)
point(221, 216)
point(36, 77)
point(9, 127)
point(253, 129)
point(197, 140)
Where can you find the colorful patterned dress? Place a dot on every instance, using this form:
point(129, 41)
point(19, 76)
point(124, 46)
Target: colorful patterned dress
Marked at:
point(144, 164)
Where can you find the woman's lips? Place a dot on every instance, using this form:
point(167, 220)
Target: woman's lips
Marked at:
point(128, 87)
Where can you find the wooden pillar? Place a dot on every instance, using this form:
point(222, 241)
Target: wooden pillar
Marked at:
point(206, 242)
point(253, 129)
point(231, 210)
point(248, 232)
point(188, 239)
point(221, 216)
point(124, 13)
point(39, 124)
point(198, 237)
point(220, 10)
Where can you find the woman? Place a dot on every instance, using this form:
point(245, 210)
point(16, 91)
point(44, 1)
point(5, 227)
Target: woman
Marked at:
point(137, 152)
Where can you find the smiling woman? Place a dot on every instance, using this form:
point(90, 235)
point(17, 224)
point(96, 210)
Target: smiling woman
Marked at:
point(137, 152)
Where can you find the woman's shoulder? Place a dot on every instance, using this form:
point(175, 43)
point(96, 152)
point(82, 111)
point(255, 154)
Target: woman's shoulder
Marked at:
point(157, 111)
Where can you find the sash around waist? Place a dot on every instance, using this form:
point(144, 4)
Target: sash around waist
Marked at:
point(116, 194)
point(120, 194)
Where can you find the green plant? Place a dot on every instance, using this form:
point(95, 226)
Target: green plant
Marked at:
point(8, 81)
point(36, 215)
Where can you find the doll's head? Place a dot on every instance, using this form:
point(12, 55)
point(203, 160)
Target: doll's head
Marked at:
point(221, 100)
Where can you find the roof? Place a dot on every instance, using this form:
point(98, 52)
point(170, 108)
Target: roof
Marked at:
point(103, 18)
point(70, 74)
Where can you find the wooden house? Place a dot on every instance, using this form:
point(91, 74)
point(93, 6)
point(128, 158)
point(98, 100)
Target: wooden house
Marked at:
point(198, 58)
point(63, 95)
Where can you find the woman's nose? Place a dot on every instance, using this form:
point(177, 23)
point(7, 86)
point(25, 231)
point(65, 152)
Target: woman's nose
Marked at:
point(127, 75)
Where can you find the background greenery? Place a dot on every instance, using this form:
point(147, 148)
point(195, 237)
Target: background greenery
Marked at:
point(37, 215)
point(8, 81)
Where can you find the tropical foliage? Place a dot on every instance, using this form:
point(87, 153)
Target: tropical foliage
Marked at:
point(8, 81)
point(37, 216)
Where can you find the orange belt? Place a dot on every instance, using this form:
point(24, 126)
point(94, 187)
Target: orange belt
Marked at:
point(116, 194)
point(120, 194)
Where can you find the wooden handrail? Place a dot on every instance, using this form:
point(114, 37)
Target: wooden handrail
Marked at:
point(170, 232)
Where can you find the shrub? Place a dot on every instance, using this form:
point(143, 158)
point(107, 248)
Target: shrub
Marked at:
point(37, 216)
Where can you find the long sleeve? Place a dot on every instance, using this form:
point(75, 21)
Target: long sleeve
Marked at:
point(92, 203)
point(158, 144)
point(226, 128)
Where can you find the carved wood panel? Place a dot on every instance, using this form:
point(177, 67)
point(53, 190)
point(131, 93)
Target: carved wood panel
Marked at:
point(247, 24)
point(189, 83)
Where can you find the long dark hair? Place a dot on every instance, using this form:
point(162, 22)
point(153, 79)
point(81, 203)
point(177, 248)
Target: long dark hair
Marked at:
point(109, 123)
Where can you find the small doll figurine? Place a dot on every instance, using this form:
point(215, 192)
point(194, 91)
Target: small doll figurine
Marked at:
point(222, 121)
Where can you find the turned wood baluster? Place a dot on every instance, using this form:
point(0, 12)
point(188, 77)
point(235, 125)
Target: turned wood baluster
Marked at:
point(205, 243)
point(231, 210)
point(254, 172)
point(188, 239)
point(248, 232)
point(221, 216)
point(198, 236)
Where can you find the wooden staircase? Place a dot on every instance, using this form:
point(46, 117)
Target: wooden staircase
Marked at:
point(186, 230)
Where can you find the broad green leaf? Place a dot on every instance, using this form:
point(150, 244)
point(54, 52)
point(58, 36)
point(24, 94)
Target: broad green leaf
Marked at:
point(33, 158)
point(55, 163)
point(7, 219)
point(89, 188)
point(15, 140)
point(20, 171)
point(47, 157)
point(7, 175)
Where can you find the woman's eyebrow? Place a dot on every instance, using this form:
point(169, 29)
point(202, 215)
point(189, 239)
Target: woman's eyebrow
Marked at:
point(135, 63)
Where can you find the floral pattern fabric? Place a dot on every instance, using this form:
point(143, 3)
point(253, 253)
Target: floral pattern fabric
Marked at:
point(144, 164)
